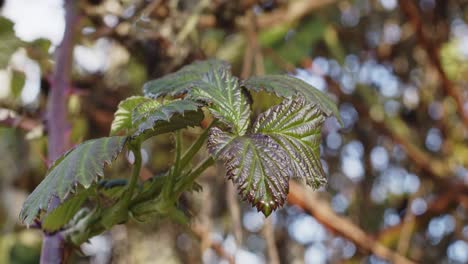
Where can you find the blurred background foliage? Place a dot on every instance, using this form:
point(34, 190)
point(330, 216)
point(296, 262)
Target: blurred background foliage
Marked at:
point(397, 169)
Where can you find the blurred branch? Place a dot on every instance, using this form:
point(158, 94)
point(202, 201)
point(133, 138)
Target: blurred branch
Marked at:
point(407, 228)
point(294, 11)
point(192, 21)
point(204, 235)
point(443, 203)
point(410, 9)
point(234, 209)
point(21, 122)
point(436, 170)
point(321, 211)
point(395, 128)
point(269, 234)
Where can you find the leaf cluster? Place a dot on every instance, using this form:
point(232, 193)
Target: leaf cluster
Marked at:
point(259, 157)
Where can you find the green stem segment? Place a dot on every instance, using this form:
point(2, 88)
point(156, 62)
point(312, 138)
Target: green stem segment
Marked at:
point(195, 147)
point(136, 149)
point(191, 177)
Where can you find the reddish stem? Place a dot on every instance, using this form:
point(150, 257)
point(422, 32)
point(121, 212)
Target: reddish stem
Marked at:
point(53, 246)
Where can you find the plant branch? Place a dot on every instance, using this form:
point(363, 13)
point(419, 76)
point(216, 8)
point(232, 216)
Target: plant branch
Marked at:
point(24, 123)
point(324, 214)
point(195, 147)
point(203, 235)
point(234, 209)
point(135, 147)
point(191, 177)
point(411, 11)
point(294, 11)
point(269, 234)
point(53, 244)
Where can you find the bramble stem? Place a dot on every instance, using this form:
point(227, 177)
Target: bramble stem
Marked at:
point(53, 246)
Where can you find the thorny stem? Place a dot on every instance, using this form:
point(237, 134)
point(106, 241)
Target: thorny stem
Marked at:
point(53, 246)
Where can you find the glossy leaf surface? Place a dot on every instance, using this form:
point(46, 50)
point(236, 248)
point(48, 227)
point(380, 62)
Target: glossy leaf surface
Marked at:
point(256, 164)
point(226, 101)
point(153, 117)
point(296, 126)
point(283, 143)
point(138, 115)
point(181, 81)
point(287, 86)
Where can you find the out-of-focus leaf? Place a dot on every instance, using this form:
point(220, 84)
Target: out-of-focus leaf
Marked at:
point(330, 37)
point(61, 215)
point(226, 100)
point(287, 86)
point(256, 164)
point(82, 165)
point(17, 83)
point(291, 44)
point(296, 127)
point(455, 66)
point(39, 50)
point(179, 82)
point(274, 35)
point(9, 43)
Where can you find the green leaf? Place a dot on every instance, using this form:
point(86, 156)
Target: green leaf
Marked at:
point(292, 48)
point(142, 116)
point(210, 82)
point(153, 118)
point(226, 101)
point(256, 164)
point(288, 86)
point(179, 82)
point(9, 43)
point(283, 143)
point(79, 166)
point(123, 115)
point(61, 215)
point(296, 127)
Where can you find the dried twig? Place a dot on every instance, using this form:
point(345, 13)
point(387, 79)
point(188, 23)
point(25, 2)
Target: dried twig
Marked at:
point(324, 214)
